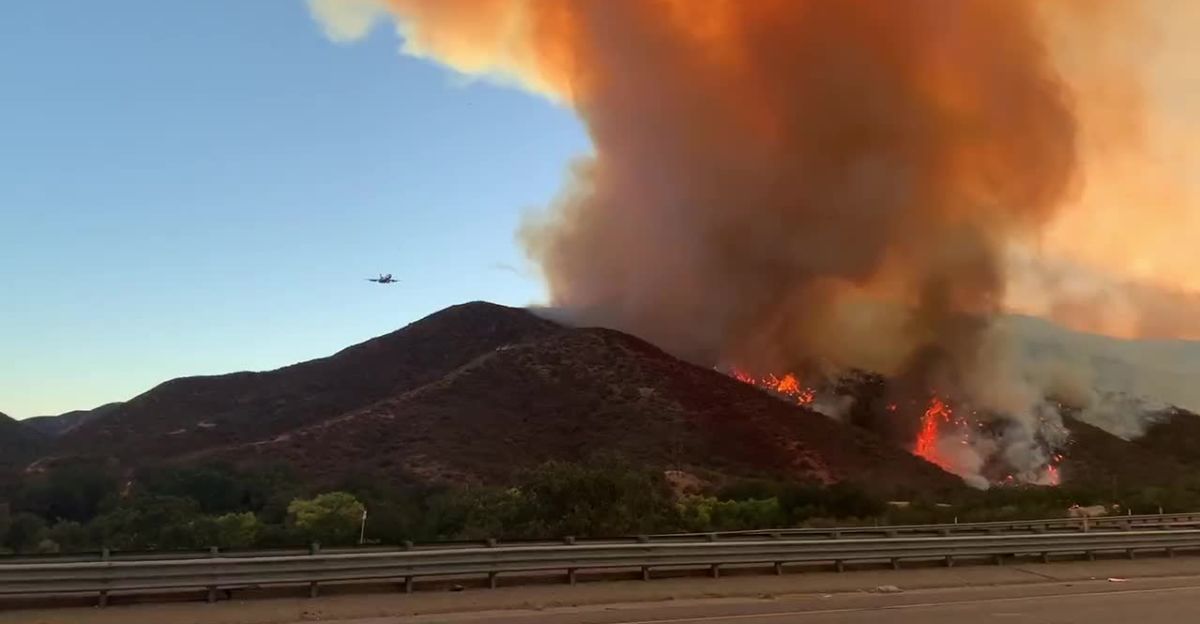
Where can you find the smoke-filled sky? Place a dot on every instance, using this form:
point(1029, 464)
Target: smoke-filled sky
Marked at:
point(1094, 235)
point(808, 185)
point(220, 177)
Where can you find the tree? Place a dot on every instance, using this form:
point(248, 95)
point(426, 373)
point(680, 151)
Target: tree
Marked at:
point(73, 492)
point(237, 530)
point(69, 536)
point(153, 522)
point(25, 532)
point(603, 499)
point(332, 518)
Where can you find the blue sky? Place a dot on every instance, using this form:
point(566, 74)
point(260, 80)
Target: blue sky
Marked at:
point(202, 187)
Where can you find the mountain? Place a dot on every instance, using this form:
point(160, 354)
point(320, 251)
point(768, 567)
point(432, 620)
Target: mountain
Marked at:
point(18, 443)
point(1098, 458)
point(194, 413)
point(478, 391)
point(62, 423)
point(585, 392)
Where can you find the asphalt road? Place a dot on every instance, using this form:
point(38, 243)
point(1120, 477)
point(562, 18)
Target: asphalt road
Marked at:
point(1168, 601)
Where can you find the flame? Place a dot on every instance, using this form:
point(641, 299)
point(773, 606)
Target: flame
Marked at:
point(927, 439)
point(788, 385)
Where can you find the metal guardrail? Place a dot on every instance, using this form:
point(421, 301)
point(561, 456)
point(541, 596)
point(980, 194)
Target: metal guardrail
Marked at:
point(218, 572)
point(1046, 525)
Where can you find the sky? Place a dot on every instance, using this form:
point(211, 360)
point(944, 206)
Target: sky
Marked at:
point(203, 187)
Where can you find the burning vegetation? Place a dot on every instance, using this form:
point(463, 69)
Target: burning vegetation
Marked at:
point(949, 435)
point(796, 185)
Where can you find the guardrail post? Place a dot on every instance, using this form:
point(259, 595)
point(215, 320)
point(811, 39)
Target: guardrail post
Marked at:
point(895, 563)
point(949, 561)
point(1129, 553)
point(212, 589)
point(313, 588)
point(715, 570)
point(778, 568)
point(1091, 555)
point(409, 581)
point(491, 580)
point(839, 565)
point(999, 559)
point(1170, 552)
point(644, 539)
point(1045, 557)
point(571, 576)
point(105, 554)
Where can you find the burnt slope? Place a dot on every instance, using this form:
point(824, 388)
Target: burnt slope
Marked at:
point(195, 413)
point(1095, 457)
point(18, 443)
point(1174, 433)
point(62, 423)
point(584, 392)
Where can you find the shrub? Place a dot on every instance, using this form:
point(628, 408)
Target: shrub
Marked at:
point(333, 518)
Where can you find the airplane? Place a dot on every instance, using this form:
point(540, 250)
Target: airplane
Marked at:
point(384, 278)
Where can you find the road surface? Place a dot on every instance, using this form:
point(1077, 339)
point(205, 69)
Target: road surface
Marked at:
point(1142, 602)
point(1154, 590)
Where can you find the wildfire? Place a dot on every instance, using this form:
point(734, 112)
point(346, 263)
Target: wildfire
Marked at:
point(787, 385)
point(931, 422)
point(942, 427)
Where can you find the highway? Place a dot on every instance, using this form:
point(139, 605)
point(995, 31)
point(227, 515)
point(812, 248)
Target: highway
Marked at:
point(1146, 602)
point(1148, 591)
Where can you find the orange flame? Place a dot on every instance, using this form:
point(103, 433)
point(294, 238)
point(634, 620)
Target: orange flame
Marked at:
point(788, 385)
point(926, 447)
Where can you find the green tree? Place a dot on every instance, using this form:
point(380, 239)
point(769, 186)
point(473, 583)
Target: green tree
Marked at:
point(70, 536)
point(603, 499)
point(333, 518)
point(73, 492)
point(237, 530)
point(152, 522)
point(25, 532)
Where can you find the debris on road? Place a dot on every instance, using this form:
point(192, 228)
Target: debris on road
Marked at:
point(888, 589)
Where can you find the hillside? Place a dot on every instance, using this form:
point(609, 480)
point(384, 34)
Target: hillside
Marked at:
point(1098, 458)
point(583, 392)
point(476, 392)
point(195, 413)
point(1174, 433)
point(62, 423)
point(18, 443)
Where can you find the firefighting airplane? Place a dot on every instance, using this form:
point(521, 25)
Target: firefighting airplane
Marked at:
point(384, 278)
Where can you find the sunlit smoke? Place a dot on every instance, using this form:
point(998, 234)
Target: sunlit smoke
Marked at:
point(817, 186)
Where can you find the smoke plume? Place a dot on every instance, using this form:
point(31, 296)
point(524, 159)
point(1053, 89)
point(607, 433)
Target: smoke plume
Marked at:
point(792, 184)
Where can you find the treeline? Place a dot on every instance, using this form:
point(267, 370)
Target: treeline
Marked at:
point(88, 507)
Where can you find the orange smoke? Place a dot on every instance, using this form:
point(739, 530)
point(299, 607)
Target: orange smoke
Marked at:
point(760, 165)
point(808, 184)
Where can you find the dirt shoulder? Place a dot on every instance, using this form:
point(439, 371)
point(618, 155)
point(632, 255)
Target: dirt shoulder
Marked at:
point(348, 606)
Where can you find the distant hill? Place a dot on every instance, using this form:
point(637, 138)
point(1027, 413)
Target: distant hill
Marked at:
point(583, 392)
point(18, 443)
point(477, 391)
point(62, 423)
point(194, 413)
